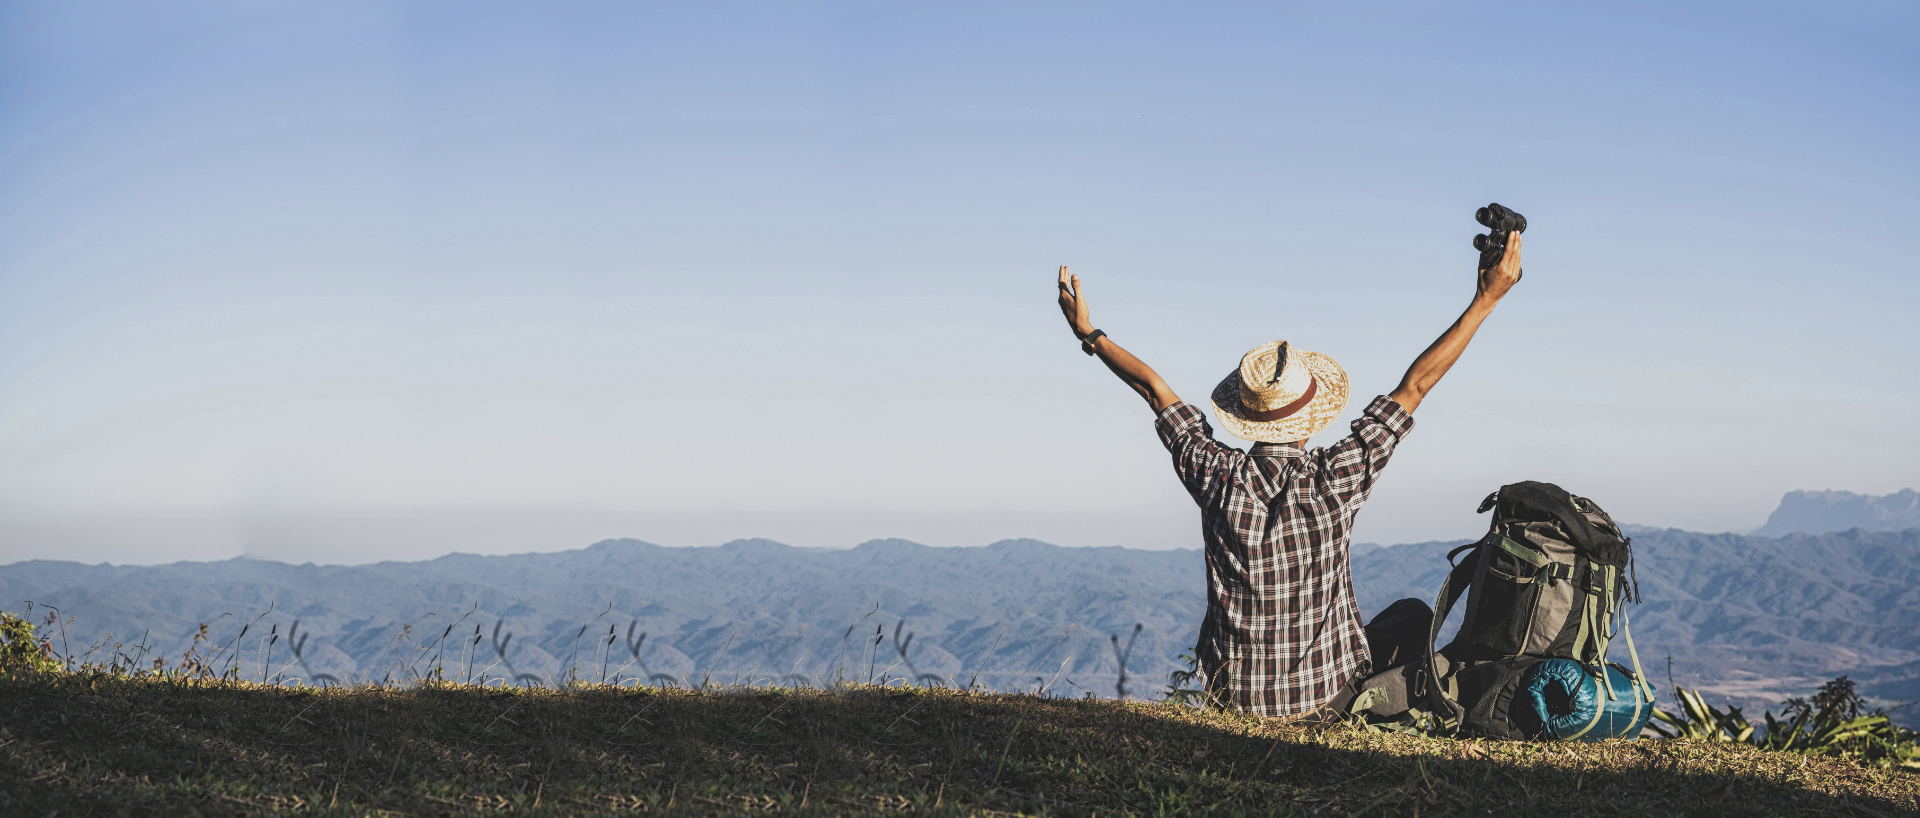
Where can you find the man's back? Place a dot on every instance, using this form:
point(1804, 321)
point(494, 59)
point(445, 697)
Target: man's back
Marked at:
point(1282, 631)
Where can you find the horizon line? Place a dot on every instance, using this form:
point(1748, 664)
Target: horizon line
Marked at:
point(1629, 528)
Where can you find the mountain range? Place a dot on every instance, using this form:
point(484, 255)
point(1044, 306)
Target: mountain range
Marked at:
point(1749, 619)
point(1814, 512)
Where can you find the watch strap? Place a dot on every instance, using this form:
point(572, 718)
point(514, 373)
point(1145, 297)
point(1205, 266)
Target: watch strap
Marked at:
point(1086, 344)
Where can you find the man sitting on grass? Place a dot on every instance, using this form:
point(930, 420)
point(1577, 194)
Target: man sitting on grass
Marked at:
point(1282, 634)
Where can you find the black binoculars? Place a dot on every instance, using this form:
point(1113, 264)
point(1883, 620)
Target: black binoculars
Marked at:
point(1500, 222)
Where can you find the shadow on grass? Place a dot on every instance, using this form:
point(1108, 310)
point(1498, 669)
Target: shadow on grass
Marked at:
point(113, 746)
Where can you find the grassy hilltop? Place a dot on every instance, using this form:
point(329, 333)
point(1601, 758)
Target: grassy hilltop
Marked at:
point(100, 744)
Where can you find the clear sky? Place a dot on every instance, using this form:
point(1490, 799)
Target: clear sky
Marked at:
point(341, 281)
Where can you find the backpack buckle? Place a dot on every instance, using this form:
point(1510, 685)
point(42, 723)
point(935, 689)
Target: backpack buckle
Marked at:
point(1553, 572)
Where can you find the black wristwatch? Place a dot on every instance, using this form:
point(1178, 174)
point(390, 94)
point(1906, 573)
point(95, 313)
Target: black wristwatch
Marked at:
point(1086, 344)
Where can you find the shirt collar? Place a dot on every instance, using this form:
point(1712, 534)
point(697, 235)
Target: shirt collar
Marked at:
point(1275, 450)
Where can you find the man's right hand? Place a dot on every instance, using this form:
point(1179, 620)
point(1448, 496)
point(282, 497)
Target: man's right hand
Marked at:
point(1496, 281)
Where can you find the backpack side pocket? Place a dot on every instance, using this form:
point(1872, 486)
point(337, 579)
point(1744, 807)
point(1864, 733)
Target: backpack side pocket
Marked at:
point(1505, 597)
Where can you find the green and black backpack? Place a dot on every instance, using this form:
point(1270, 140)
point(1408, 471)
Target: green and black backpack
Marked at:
point(1544, 590)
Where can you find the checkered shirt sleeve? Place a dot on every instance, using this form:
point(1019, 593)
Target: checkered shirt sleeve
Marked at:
point(1282, 630)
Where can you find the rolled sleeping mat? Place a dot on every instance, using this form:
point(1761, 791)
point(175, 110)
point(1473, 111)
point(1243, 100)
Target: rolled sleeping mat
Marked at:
point(1562, 700)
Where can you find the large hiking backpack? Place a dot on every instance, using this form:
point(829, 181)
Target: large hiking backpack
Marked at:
point(1543, 591)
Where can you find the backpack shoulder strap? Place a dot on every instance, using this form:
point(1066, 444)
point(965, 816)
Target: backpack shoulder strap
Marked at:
point(1450, 590)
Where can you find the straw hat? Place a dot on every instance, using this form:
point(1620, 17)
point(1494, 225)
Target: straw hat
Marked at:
point(1280, 395)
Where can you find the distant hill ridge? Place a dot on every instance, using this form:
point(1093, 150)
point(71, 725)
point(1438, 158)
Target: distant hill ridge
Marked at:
point(1754, 618)
point(1818, 512)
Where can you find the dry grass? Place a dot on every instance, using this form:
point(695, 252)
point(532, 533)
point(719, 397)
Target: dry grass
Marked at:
point(98, 744)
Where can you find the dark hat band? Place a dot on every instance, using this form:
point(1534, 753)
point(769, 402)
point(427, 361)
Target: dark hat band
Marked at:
point(1313, 387)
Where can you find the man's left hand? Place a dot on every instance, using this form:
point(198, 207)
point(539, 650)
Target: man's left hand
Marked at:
point(1073, 304)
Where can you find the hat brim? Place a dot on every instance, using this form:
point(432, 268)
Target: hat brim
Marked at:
point(1327, 404)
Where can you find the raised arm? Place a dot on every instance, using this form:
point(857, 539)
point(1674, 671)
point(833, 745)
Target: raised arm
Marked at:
point(1492, 285)
point(1131, 370)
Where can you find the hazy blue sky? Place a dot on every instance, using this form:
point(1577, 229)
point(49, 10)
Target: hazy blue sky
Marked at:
point(343, 281)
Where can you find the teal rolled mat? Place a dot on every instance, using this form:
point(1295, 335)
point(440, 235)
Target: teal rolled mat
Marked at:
point(1563, 700)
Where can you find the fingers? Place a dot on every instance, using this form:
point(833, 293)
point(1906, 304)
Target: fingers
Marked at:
point(1513, 251)
point(1063, 277)
point(1079, 290)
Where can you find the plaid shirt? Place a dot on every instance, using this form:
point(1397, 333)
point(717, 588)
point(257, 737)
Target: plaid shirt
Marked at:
point(1282, 632)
